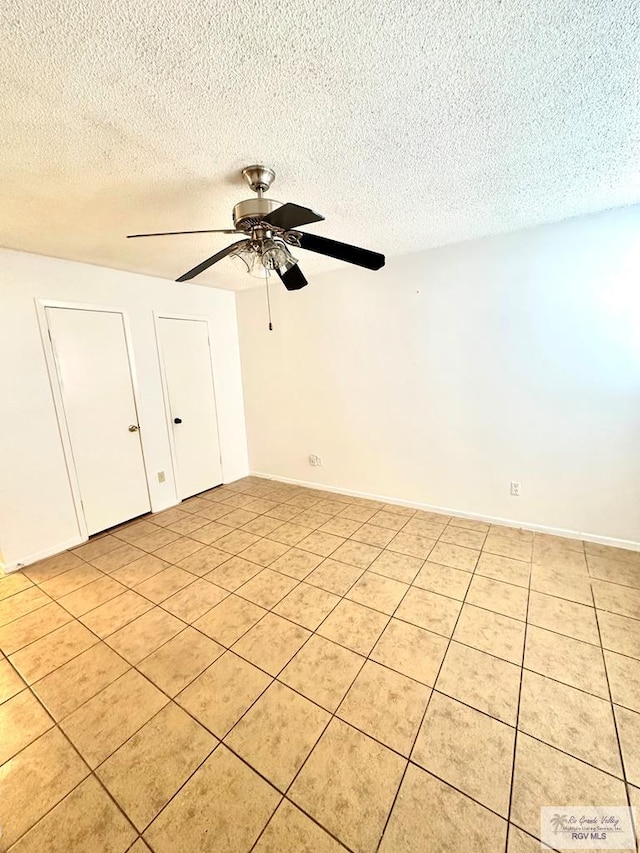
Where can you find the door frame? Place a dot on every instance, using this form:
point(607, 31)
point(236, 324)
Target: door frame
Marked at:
point(170, 315)
point(58, 399)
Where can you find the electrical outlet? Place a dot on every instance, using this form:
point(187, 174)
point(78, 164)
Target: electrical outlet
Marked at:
point(161, 477)
point(315, 461)
point(515, 489)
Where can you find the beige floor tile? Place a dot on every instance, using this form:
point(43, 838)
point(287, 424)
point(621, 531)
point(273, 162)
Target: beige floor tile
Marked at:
point(178, 550)
point(131, 533)
point(35, 780)
point(223, 807)
point(322, 544)
point(232, 574)
point(624, 680)
point(91, 596)
point(356, 554)
point(296, 563)
point(372, 534)
point(468, 749)
point(430, 815)
point(224, 691)
point(390, 520)
point(267, 588)
point(571, 720)
point(618, 633)
point(149, 768)
point(330, 506)
point(354, 626)
point(264, 552)
point(210, 533)
point(505, 546)
point(161, 536)
point(22, 720)
point(385, 705)
point(504, 598)
point(291, 831)
point(261, 505)
point(178, 662)
point(623, 600)
point(307, 605)
point(164, 584)
point(614, 571)
point(521, 842)
point(443, 580)
point(277, 734)
point(29, 628)
point(105, 721)
point(42, 657)
point(340, 527)
point(13, 583)
point(454, 556)
point(426, 527)
point(504, 569)
point(357, 513)
point(86, 820)
point(140, 570)
point(597, 550)
point(483, 681)
point(168, 516)
point(411, 545)
point(104, 544)
point(289, 533)
point(377, 592)
point(399, 567)
point(454, 535)
point(545, 776)
point(516, 534)
point(628, 723)
point(262, 526)
point(204, 561)
point(490, 632)
point(271, 643)
point(429, 610)
point(560, 559)
point(411, 651)
point(553, 581)
point(188, 525)
point(145, 634)
point(114, 614)
point(117, 558)
point(194, 600)
point(563, 617)
point(348, 785)
point(558, 541)
point(229, 620)
point(335, 577)
point(283, 512)
point(52, 566)
point(469, 523)
point(67, 688)
point(70, 581)
point(21, 604)
point(236, 541)
point(312, 518)
point(10, 681)
point(567, 660)
point(238, 517)
point(323, 671)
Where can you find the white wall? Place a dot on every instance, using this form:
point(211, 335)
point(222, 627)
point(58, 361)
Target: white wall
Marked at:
point(452, 372)
point(36, 510)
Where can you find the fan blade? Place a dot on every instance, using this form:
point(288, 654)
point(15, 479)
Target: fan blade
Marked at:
point(293, 278)
point(172, 233)
point(210, 261)
point(341, 251)
point(291, 216)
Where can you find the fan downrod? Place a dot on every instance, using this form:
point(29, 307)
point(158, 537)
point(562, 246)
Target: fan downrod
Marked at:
point(259, 178)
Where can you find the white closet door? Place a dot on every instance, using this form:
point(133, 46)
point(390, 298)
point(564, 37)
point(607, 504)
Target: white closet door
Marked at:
point(94, 373)
point(186, 357)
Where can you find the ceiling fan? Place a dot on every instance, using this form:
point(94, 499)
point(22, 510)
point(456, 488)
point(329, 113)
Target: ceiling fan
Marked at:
point(270, 228)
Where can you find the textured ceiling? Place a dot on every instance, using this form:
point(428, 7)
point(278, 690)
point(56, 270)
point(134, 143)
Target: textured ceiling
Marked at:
point(408, 124)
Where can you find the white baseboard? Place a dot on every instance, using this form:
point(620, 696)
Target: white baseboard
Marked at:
point(507, 522)
point(41, 555)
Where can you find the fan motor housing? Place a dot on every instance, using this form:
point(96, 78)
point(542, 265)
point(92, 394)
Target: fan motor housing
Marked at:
point(246, 213)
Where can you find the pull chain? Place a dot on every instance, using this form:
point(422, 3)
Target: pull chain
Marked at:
point(266, 284)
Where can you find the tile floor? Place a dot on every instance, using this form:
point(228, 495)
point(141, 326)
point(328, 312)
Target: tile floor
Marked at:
point(281, 670)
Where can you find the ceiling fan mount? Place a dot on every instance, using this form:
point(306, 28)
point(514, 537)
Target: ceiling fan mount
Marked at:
point(269, 227)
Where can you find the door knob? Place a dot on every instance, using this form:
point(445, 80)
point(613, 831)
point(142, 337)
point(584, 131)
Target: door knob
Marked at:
point(133, 427)
point(177, 420)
